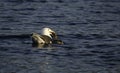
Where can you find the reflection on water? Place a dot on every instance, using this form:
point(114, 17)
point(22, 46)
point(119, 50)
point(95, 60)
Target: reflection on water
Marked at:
point(41, 45)
point(90, 31)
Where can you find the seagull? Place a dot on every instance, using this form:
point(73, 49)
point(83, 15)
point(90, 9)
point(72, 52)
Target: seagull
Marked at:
point(48, 36)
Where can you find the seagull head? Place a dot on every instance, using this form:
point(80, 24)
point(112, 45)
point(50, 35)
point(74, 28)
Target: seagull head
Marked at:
point(49, 32)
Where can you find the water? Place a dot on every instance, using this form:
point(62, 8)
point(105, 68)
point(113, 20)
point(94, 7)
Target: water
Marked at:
point(90, 30)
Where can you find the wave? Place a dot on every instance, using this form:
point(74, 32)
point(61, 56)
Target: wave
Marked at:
point(4, 36)
point(96, 36)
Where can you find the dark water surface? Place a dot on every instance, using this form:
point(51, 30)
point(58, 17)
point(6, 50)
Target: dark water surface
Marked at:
point(89, 28)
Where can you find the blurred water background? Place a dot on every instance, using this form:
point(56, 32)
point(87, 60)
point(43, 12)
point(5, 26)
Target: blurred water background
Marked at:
point(90, 30)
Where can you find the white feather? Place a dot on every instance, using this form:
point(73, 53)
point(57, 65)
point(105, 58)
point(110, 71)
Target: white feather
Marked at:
point(47, 31)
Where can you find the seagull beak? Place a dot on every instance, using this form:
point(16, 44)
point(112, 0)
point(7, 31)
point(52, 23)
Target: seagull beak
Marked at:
point(53, 35)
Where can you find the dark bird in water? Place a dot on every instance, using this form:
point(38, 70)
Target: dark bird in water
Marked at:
point(47, 37)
